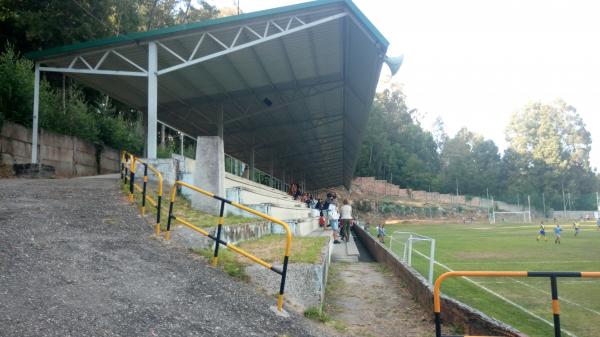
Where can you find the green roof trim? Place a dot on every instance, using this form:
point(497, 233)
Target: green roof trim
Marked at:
point(140, 36)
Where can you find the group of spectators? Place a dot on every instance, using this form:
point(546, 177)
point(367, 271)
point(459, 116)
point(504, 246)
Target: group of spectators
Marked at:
point(305, 197)
point(331, 214)
point(339, 221)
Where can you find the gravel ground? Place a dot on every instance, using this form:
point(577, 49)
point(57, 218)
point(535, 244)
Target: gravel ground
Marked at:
point(77, 260)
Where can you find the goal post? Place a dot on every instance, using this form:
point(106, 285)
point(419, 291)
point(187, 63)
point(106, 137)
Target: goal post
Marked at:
point(407, 240)
point(524, 216)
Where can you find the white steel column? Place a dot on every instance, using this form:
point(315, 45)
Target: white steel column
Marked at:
point(36, 108)
point(181, 140)
point(152, 100)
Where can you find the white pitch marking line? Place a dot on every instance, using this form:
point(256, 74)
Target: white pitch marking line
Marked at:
point(559, 297)
point(502, 298)
point(528, 262)
point(532, 226)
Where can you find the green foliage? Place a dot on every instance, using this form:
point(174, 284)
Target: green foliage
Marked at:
point(396, 147)
point(548, 152)
point(317, 315)
point(16, 87)
point(363, 206)
point(98, 123)
point(227, 260)
point(165, 151)
point(33, 25)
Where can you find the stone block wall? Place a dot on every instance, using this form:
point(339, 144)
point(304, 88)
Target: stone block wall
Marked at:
point(70, 156)
point(382, 187)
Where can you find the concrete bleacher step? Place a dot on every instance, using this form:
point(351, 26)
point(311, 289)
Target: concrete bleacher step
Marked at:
point(235, 181)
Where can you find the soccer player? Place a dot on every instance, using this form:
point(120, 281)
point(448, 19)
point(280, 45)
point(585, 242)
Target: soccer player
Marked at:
point(542, 232)
point(576, 226)
point(557, 231)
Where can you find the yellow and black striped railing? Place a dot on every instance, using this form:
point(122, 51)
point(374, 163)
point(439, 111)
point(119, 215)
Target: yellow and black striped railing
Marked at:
point(128, 163)
point(229, 245)
point(553, 275)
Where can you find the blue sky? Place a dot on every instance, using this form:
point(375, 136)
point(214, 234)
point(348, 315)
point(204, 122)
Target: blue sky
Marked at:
point(474, 62)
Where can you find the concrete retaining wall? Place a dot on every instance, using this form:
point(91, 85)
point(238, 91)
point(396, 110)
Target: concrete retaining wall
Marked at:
point(305, 283)
point(382, 187)
point(453, 312)
point(573, 214)
point(230, 233)
point(70, 156)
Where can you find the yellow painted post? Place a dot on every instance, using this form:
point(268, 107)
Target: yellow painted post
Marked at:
point(131, 180)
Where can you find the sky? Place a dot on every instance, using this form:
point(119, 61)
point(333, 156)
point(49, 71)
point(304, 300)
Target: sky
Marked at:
point(474, 62)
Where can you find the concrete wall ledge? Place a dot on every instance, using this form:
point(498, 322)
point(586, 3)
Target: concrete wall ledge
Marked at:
point(453, 312)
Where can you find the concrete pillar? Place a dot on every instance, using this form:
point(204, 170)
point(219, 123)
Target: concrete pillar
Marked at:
point(152, 100)
point(36, 109)
point(209, 173)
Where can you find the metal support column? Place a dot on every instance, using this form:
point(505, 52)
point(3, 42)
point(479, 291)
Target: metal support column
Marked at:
point(36, 108)
point(181, 142)
point(152, 100)
point(271, 170)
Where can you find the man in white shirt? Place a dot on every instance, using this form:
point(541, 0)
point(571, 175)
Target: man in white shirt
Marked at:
point(346, 217)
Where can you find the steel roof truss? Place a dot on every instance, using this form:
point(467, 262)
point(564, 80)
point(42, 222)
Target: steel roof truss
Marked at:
point(95, 69)
point(233, 47)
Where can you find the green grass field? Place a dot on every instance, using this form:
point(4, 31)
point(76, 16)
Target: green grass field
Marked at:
point(514, 247)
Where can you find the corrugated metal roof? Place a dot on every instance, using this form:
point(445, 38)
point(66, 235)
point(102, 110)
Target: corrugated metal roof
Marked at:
point(320, 81)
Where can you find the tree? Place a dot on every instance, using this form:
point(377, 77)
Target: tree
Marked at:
point(552, 133)
point(439, 134)
point(396, 147)
point(548, 154)
point(470, 164)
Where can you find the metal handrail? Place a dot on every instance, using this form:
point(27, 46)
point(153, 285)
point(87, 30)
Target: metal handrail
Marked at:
point(553, 286)
point(219, 241)
point(133, 186)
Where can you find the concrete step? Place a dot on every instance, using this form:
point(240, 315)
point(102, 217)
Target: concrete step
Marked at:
point(351, 249)
point(236, 181)
point(346, 251)
point(339, 254)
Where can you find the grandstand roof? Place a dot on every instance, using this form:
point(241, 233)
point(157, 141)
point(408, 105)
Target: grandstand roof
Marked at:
point(296, 81)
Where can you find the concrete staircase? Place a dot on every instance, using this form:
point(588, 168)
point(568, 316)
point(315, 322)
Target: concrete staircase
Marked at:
point(270, 201)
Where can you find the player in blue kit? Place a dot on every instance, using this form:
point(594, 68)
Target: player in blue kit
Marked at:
point(557, 231)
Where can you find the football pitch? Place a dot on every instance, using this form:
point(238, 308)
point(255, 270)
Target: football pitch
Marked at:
point(524, 303)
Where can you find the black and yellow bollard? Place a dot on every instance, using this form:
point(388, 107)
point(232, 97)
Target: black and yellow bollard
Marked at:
point(144, 189)
point(215, 259)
